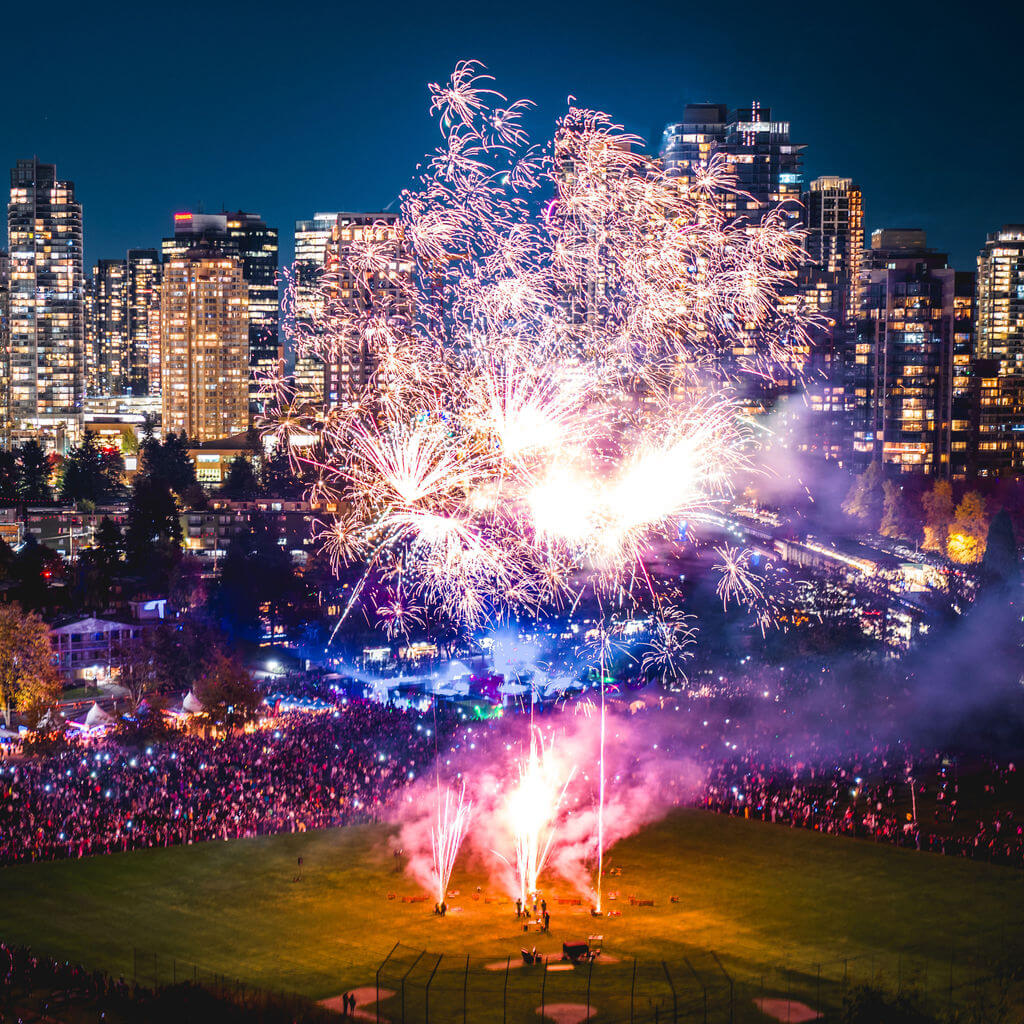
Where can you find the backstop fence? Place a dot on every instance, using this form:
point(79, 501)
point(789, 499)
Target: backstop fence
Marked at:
point(419, 987)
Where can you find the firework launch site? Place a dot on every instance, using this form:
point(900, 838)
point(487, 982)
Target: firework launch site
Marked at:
point(740, 909)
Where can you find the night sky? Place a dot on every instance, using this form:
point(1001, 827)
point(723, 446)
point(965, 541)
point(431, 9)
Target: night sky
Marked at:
point(289, 108)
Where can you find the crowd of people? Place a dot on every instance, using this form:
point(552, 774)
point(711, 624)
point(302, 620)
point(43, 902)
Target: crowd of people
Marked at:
point(306, 770)
point(302, 771)
point(882, 796)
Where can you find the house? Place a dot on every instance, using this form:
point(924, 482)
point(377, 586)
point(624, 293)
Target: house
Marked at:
point(86, 648)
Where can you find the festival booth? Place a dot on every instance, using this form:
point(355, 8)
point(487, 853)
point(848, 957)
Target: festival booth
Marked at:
point(95, 723)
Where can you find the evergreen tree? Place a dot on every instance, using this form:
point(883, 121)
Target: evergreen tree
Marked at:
point(91, 474)
point(1002, 557)
point(34, 482)
point(241, 483)
point(10, 476)
point(152, 538)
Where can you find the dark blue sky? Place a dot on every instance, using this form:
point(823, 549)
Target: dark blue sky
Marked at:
point(289, 108)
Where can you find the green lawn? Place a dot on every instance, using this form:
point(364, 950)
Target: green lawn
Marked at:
point(773, 903)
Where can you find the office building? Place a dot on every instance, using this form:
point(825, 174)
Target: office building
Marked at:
point(204, 340)
point(246, 236)
point(107, 355)
point(143, 297)
point(1000, 347)
point(46, 373)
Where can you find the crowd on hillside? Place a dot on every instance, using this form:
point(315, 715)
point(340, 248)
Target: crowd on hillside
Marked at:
point(313, 770)
point(304, 771)
point(870, 797)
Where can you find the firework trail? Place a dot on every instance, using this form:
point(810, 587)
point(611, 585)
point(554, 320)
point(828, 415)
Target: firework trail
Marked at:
point(453, 816)
point(533, 808)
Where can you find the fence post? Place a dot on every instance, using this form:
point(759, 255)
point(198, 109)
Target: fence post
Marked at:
point(589, 976)
point(135, 965)
point(675, 1004)
point(156, 973)
point(543, 984)
point(728, 977)
point(504, 994)
point(632, 992)
point(465, 990)
point(426, 991)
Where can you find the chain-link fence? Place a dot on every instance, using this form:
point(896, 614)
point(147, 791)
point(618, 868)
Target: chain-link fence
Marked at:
point(418, 987)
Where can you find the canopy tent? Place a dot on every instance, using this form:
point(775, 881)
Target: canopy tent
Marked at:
point(191, 704)
point(97, 717)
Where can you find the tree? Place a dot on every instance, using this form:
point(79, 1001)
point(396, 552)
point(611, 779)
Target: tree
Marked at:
point(167, 462)
point(938, 515)
point(256, 573)
point(91, 474)
point(1002, 558)
point(10, 476)
point(897, 517)
point(241, 482)
point(99, 565)
point(226, 690)
point(968, 531)
point(864, 500)
point(35, 568)
point(139, 664)
point(277, 477)
point(152, 538)
point(34, 484)
point(28, 678)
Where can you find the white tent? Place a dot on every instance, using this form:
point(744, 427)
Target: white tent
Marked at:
point(97, 717)
point(513, 689)
point(191, 704)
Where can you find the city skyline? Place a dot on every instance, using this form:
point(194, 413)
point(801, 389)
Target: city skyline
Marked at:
point(353, 128)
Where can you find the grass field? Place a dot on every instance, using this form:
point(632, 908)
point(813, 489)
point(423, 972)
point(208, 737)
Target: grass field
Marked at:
point(773, 903)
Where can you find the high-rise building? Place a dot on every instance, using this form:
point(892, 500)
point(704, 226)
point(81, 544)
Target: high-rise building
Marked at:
point(346, 378)
point(204, 342)
point(107, 355)
point(247, 236)
point(915, 317)
point(828, 287)
point(759, 152)
point(46, 381)
point(143, 293)
point(834, 220)
point(312, 245)
point(5, 341)
point(765, 165)
point(1000, 345)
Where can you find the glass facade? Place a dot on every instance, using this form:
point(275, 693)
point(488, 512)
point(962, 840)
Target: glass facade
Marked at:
point(46, 372)
point(204, 337)
point(246, 236)
point(107, 355)
point(1000, 346)
point(143, 292)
